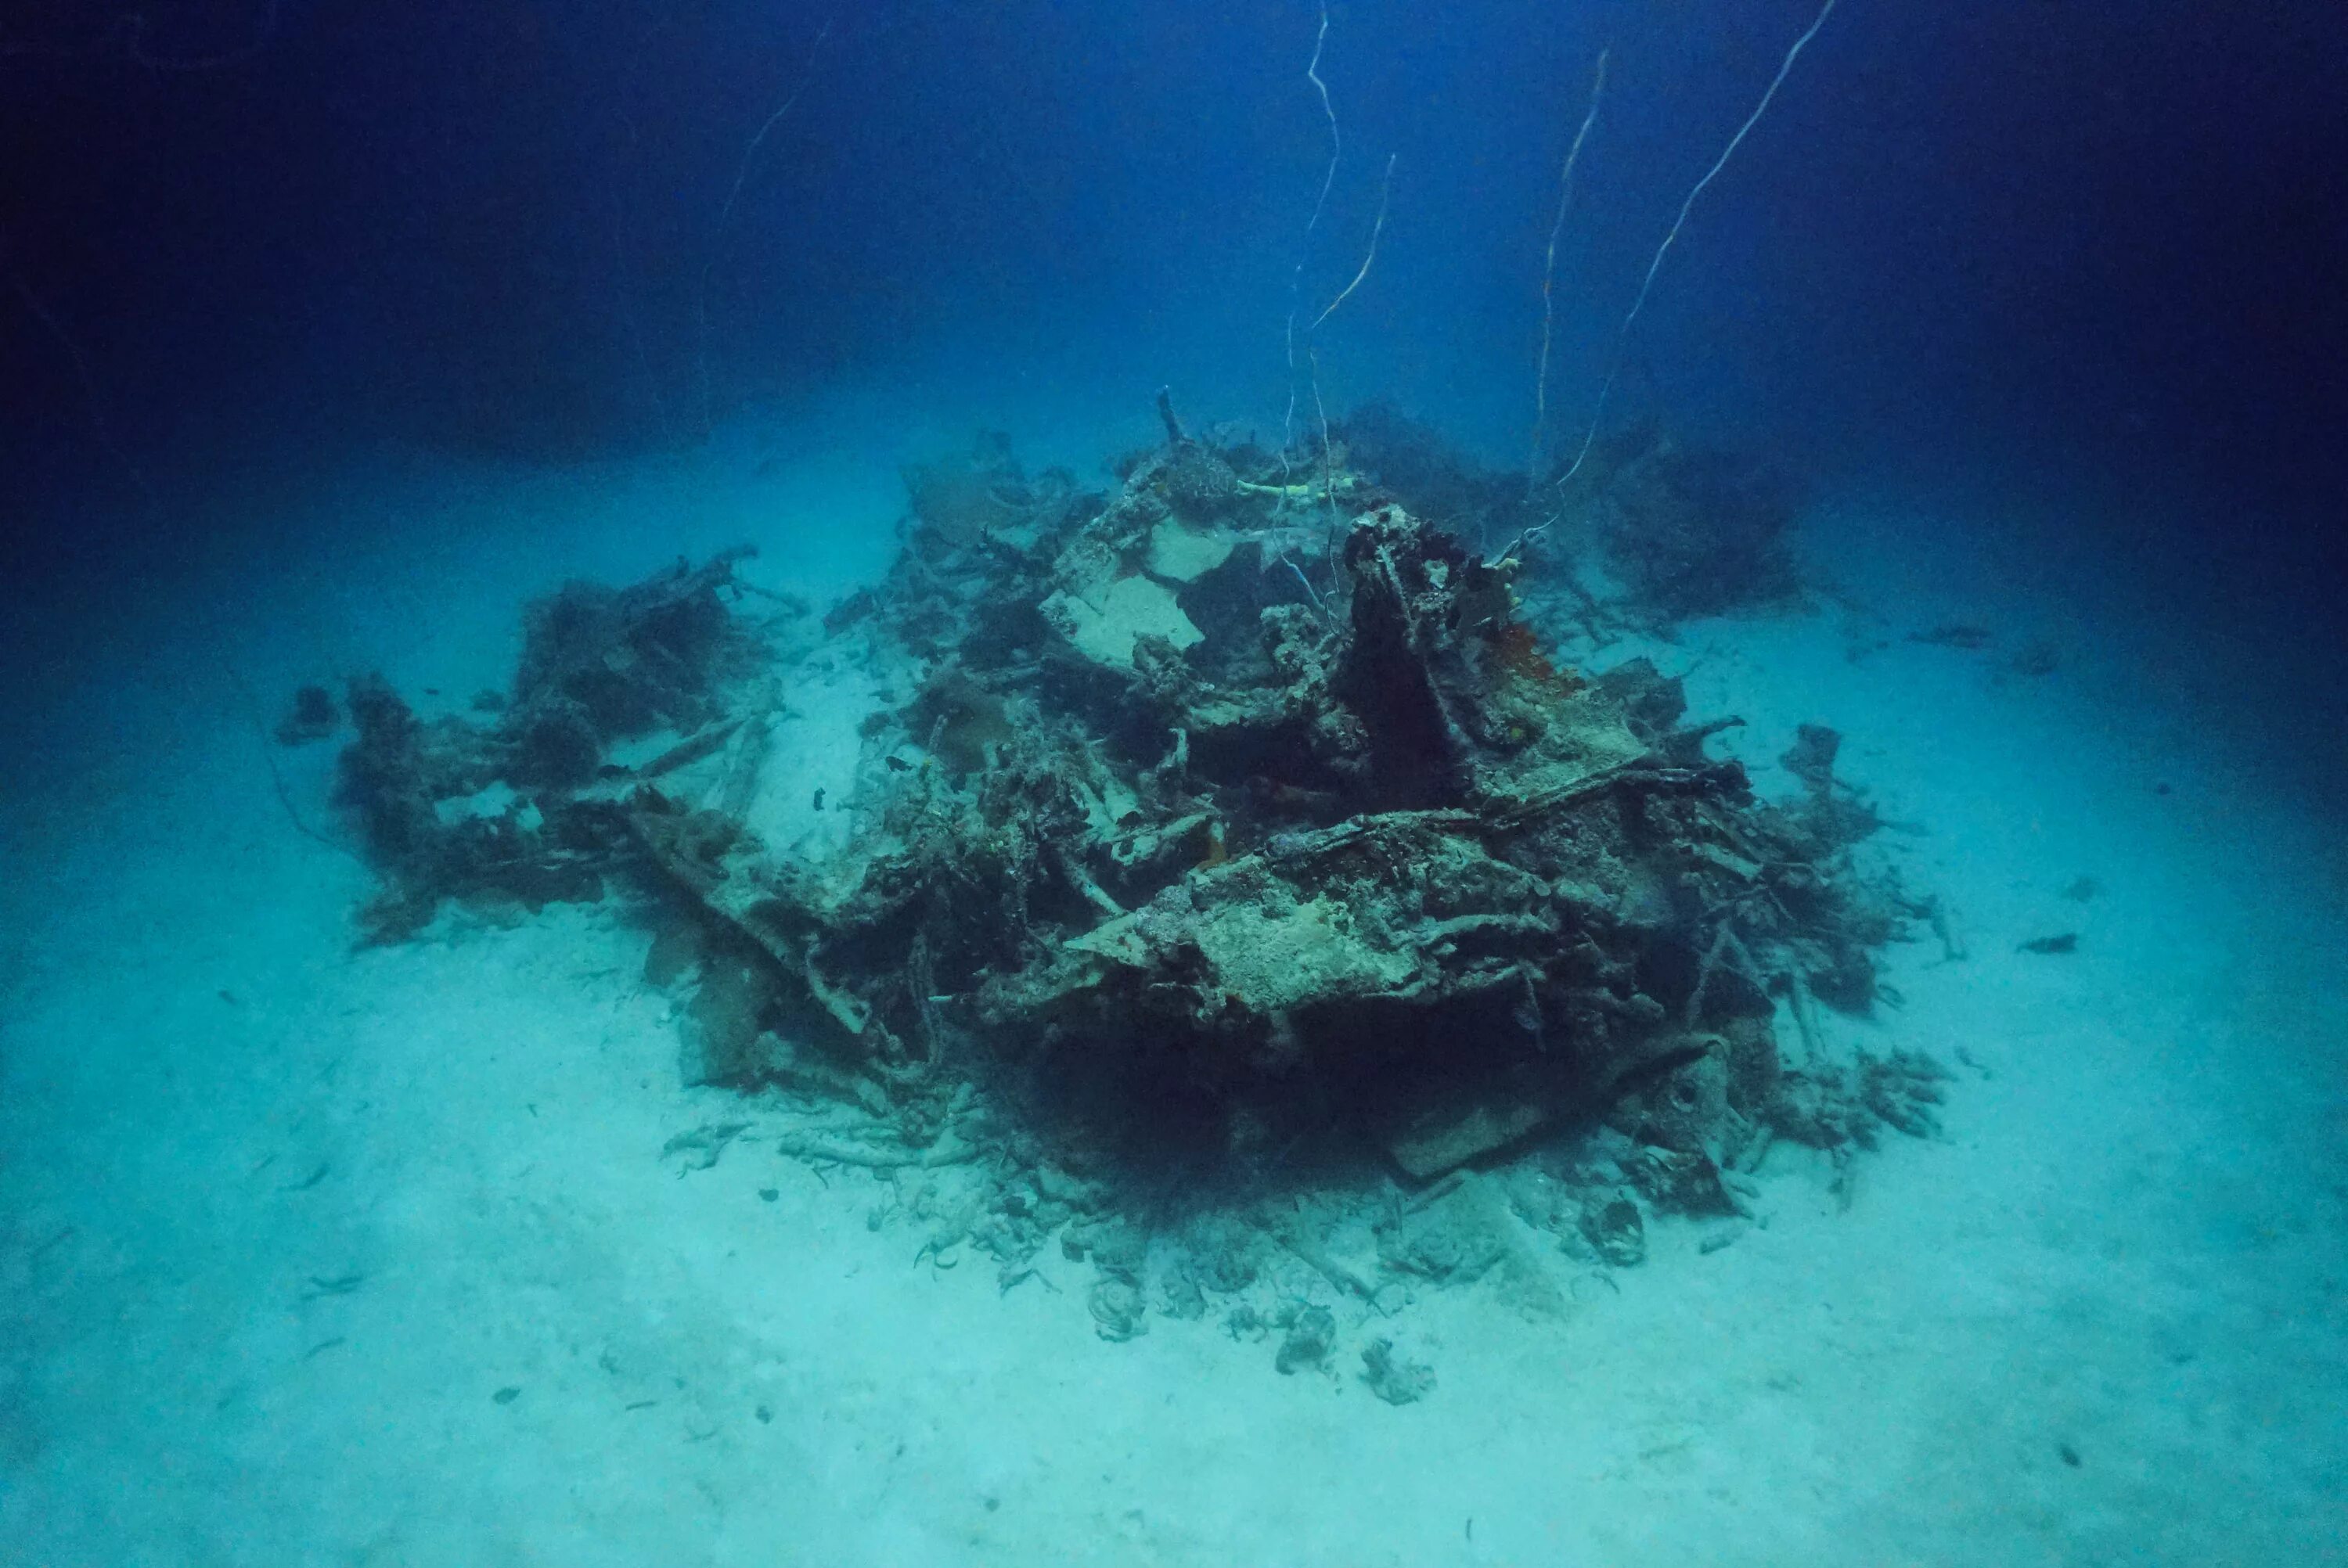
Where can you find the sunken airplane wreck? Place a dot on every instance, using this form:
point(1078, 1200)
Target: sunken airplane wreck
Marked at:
point(1223, 883)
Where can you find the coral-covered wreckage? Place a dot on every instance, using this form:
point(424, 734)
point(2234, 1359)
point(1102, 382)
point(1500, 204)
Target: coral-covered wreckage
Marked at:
point(1225, 882)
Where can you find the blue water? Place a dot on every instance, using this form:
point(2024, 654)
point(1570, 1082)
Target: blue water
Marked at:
point(332, 331)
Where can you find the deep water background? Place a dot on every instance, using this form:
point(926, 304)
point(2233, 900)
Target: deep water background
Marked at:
point(2082, 257)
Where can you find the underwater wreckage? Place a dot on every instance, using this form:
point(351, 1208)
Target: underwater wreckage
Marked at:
point(1228, 885)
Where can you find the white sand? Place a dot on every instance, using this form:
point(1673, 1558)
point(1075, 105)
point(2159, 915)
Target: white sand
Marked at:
point(281, 1220)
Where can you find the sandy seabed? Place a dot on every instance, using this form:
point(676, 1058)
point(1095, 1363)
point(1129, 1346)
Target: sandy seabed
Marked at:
point(316, 1256)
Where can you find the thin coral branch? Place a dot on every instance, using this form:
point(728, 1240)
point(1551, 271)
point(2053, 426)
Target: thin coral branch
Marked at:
point(1385, 185)
point(1548, 275)
point(1646, 285)
point(725, 213)
point(1304, 245)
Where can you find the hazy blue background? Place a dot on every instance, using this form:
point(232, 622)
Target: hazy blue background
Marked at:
point(2043, 246)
